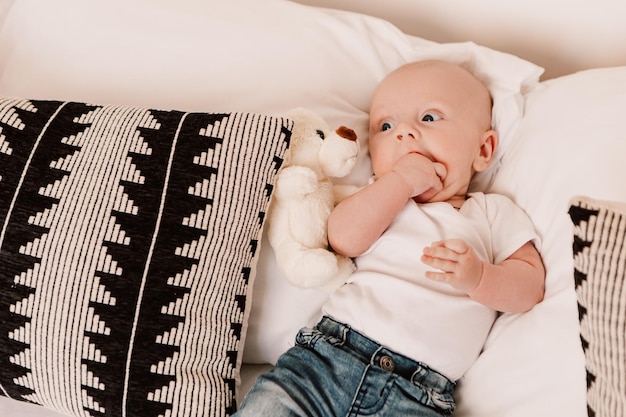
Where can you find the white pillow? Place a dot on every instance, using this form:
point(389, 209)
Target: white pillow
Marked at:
point(572, 141)
point(5, 5)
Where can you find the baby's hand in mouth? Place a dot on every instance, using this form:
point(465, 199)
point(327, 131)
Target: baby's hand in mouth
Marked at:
point(440, 170)
point(420, 173)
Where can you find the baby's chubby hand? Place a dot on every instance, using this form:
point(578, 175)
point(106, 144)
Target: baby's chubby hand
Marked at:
point(420, 173)
point(458, 263)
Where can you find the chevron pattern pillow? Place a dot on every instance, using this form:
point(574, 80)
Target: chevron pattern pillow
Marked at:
point(128, 243)
point(600, 277)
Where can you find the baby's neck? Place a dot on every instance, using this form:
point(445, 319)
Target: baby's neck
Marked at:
point(458, 201)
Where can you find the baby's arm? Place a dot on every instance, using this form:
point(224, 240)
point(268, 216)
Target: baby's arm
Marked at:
point(514, 285)
point(360, 219)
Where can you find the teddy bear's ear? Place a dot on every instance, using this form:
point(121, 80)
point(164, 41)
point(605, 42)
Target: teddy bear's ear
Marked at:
point(298, 114)
point(308, 116)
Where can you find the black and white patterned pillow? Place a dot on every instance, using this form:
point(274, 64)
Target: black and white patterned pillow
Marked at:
point(128, 242)
point(600, 277)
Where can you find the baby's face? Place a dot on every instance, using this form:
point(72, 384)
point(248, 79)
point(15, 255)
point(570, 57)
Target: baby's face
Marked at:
point(438, 110)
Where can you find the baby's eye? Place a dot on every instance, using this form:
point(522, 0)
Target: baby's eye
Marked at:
point(385, 126)
point(431, 117)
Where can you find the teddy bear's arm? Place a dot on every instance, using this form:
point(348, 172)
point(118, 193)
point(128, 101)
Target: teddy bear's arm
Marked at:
point(295, 182)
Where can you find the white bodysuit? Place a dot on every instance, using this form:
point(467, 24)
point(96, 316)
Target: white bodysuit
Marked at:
point(389, 299)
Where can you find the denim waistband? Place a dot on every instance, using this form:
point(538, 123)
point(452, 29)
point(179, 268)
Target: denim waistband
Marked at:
point(375, 354)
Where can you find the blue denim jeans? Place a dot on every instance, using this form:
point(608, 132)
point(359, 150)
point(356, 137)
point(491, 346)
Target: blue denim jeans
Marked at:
point(336, 371)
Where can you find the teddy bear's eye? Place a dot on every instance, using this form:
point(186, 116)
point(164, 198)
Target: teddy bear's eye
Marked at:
point(321, 134)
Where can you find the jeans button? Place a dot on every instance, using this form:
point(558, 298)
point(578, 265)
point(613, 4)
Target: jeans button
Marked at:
point(386, 362)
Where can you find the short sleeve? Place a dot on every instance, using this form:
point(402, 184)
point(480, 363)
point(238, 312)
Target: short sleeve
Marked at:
point(511, 227)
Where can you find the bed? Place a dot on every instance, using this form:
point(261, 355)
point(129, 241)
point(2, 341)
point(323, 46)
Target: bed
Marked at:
point(135, 276)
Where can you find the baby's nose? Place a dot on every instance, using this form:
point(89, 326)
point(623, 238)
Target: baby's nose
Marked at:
point(406, 132)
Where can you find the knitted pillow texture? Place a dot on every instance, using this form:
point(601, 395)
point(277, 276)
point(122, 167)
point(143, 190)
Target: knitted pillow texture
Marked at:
point(128, 243)
point(600, 278)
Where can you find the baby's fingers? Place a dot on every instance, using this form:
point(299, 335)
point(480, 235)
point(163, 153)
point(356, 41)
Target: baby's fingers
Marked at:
point(439, 251)
point(438, 276)
point(456, 245)
point(442, 264)
point(440, 170)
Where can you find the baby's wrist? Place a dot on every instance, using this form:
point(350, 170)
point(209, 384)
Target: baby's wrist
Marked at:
point(399, 179)
point(475, 292)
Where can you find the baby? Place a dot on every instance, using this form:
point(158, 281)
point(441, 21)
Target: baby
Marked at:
point(415, 315)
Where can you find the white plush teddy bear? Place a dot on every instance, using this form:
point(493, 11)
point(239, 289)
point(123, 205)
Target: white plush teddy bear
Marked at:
point(303, 198)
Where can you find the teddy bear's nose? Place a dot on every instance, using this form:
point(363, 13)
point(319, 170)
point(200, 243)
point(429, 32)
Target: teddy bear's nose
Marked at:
point(346, 133)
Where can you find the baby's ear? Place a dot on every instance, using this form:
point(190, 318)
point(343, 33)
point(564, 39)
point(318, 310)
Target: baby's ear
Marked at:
point(488, 144)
